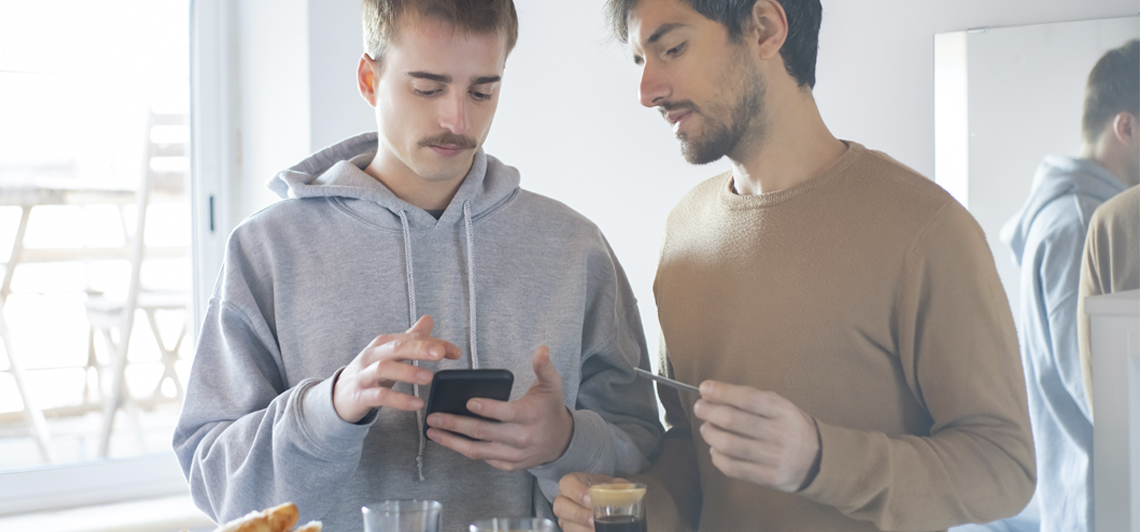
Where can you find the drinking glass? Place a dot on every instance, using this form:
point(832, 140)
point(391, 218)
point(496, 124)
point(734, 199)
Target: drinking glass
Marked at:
point(618, 507)
point(403, 515)
point(513, 524)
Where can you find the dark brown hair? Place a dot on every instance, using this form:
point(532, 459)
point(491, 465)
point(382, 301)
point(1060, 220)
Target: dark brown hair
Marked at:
point(1114, 86)
point(800, 48)
point(381, 19)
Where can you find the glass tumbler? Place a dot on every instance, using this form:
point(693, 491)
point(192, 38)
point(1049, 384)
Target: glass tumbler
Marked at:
point(618, 507)
point(403, 515)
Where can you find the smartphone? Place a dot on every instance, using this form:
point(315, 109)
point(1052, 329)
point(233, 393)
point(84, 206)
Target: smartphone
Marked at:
point(452, 388)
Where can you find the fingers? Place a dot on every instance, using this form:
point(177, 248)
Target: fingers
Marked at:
point(574, 526)
point(572, 515)
point(412, 346)
point(572, 506)
point(478, 429)
point(547, 375)
point(423, 326)
point(744, 470)
point(736, 446)
point(759, 402)
point(385, 372)
point(497, 454)
point(576, 486)
point(732, 418)
point(383, 397)
point(516, 412)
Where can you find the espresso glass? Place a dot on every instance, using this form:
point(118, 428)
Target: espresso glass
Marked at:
point(513, 524)
point(403, 515)
point(618, 507)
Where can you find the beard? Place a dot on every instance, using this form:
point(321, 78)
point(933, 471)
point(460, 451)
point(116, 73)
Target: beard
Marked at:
point(745, 118)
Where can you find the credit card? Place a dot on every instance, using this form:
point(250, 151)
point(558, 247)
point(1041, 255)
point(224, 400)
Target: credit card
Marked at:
point(667, 381)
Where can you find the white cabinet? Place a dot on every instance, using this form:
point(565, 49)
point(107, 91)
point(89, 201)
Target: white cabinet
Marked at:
point(1115, 344)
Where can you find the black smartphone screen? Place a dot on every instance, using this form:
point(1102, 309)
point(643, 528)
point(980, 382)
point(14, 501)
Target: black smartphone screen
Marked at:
point(452, 388)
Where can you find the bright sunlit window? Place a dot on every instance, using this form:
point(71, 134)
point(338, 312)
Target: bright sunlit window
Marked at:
point(94, 152)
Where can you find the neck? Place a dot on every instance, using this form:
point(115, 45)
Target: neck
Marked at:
point(795, 146)
point(1103, 154)
point(427, 194)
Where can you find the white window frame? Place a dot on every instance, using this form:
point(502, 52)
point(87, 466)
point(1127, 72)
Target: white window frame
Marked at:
point(215, 149)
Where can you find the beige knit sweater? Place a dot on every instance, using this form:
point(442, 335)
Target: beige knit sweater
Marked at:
point(1111, 262)
point(868, 297)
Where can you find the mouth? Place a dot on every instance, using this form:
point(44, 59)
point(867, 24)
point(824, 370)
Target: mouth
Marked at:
point(677, 117)
point(448, 150)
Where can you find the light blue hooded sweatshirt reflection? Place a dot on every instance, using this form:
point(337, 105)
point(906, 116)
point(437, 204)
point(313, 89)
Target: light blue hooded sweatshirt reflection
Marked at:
point(1047, 237)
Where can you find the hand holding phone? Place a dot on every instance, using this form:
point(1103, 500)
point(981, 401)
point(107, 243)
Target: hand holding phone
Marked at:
point(451, 389)
point(531, 431)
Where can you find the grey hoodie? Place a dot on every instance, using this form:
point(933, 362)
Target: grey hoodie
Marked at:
point(1047, 237)
point(308, 282)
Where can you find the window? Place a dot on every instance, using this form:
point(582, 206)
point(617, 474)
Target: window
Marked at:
point(95, 130)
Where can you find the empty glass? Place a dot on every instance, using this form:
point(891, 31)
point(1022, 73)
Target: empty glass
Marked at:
point(404, 515)
point(513, 524)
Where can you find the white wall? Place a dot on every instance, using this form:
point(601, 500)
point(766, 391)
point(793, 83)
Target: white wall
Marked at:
point(336, 108)
point(274, 81)
point(569, 120)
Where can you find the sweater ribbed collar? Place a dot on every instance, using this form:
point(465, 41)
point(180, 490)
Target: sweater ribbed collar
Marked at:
point(733, 201)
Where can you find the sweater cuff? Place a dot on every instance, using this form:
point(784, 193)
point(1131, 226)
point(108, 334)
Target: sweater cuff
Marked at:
point(587, 453)
point(839, 480)
point(324, 429)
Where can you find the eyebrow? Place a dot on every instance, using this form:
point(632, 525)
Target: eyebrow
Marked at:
point(661, 31)
point(442, 78)
point(429, 76)
point(487, 79)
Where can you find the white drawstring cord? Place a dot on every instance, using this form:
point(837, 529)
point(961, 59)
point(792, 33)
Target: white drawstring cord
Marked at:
point(471, 281)
point(412, 321)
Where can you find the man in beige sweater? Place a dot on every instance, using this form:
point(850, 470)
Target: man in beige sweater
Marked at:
point(1111, 262)
point(857, 359)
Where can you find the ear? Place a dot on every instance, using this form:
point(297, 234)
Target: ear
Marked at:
point(1124, 127)
point(367, 76)
point(768, 27)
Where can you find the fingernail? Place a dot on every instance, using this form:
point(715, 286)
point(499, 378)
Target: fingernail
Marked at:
point(706, 388)
point(433, 420)
point(586, 499)
point(475, 405)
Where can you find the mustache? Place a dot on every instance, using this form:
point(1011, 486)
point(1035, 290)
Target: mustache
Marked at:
point(665, 107)
point(449, 139)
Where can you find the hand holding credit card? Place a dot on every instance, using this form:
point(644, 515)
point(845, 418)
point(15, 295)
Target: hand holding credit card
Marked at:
point(667, 381)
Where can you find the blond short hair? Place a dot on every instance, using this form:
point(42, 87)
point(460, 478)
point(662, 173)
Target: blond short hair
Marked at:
point(381, 19)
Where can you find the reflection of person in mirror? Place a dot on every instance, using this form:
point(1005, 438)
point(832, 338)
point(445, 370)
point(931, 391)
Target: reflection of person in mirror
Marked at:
point(1111, 262)
point(391, 255)
point(1048, 237)
point(855, 351)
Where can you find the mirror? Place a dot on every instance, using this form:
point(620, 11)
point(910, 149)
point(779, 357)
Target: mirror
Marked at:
point(1004, 99)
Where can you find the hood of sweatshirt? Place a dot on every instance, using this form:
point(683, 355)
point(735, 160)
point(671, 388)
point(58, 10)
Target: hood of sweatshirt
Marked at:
point(337, 172)
point(1056, 177)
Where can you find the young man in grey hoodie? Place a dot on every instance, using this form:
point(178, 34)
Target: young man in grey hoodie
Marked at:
point(416, 235)
point(1048, 237)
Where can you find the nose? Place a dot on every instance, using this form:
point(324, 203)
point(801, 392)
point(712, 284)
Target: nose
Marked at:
point(653, 88)
point(453, 112)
